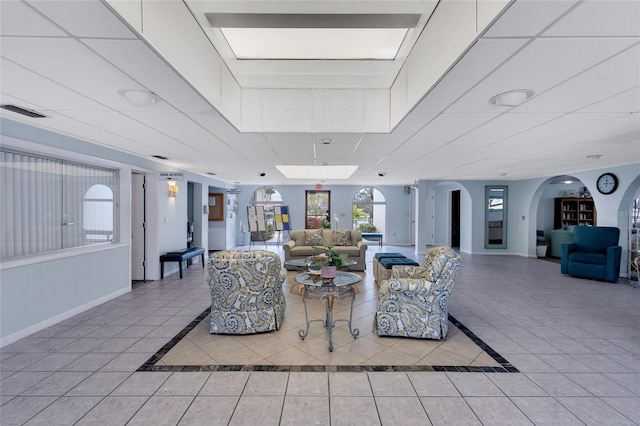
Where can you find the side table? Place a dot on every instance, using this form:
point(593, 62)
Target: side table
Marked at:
point(342, 285)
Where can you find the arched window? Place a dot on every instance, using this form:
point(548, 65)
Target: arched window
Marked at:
point(369, 210)
point(97, 214)
point(268, 198)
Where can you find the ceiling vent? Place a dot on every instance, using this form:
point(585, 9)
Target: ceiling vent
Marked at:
point(27, 112)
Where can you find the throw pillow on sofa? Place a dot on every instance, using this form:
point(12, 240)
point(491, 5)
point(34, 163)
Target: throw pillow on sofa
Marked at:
point(313, 237)
point(341, 237)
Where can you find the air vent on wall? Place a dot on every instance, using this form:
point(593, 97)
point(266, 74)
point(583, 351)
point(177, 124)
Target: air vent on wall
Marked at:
point(23, 111)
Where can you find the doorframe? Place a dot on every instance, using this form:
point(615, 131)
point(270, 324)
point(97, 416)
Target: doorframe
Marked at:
point(455, 218)
point(143, 200)
point(306, 199)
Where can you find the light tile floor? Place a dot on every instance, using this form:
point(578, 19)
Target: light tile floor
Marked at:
point(284, 347)
point(576, 343)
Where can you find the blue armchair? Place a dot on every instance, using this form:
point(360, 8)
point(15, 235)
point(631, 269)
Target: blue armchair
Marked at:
point(594, 254)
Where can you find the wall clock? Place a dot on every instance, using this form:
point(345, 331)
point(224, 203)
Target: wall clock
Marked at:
point(607, 183)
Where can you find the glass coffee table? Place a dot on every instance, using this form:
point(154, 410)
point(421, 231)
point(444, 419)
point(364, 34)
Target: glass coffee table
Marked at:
point(340, 286)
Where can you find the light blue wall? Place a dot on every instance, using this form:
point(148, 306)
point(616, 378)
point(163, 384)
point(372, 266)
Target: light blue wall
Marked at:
point(523, 206)
point(35, 296)
point(398, 207)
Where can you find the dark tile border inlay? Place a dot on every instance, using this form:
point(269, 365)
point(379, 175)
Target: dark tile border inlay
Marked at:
point(149, 365)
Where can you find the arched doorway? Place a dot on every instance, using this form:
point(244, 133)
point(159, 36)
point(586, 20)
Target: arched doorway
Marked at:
point(369, 210)
point(268, 198)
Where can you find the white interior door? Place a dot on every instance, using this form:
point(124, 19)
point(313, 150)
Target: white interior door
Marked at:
point(137, 227)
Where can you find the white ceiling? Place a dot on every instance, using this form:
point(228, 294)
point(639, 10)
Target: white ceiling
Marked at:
point(68, 60)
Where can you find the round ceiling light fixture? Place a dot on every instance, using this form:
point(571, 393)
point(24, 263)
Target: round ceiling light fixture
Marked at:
point(139, 97)
point(512, 98)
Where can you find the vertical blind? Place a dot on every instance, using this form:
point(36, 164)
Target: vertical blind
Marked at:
point(49, 204)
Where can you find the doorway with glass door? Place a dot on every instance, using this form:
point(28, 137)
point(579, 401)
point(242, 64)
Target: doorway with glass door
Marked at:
point(317, 209)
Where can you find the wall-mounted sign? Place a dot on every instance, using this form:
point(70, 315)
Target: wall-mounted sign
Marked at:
point(171, 176)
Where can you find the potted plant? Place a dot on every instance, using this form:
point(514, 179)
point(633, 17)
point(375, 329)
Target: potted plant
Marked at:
point(329, 260)
point(367, 227)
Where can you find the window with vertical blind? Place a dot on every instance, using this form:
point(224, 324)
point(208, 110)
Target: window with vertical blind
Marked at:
point(48, 204)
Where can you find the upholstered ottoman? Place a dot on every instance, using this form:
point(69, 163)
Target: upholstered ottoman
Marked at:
point(382, 266)
point(378, 256)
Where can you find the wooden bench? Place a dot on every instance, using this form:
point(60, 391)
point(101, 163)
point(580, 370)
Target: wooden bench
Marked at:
point(373, 236)
point(181, 256)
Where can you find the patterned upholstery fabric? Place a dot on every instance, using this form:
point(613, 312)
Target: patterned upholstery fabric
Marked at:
point(313, 237)
point(412, 306)
point(341, 237)
point(246, 291)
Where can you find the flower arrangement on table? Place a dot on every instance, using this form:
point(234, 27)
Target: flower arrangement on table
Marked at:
point(329, 260)
point(328, 257)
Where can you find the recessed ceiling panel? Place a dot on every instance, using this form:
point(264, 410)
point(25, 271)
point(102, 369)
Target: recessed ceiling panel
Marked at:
point(528, 18)
point(18, 19)
point(482, 59)
point(124, 126)
point(137, 60)
point(71, 64)
point(599, 18)
point(554, 61)
point(628, 101)
point(615, 75)
point(84, 18)
point(41, 91)
point(292, 148)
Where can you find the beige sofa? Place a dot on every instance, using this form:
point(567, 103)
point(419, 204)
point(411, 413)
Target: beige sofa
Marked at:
point(299, 249)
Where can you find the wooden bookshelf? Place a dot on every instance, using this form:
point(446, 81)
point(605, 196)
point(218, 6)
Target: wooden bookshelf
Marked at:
point(573, 211)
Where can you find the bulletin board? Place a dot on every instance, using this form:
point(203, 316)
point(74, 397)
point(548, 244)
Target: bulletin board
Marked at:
point(216, 207)
point(282, 218)
point(255, 216)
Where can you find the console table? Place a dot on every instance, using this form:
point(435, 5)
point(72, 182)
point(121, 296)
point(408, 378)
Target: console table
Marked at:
point(373, 236)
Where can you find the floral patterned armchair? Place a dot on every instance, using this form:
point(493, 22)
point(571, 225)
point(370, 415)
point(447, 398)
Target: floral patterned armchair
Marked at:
point(413, 302)
point(246, 291)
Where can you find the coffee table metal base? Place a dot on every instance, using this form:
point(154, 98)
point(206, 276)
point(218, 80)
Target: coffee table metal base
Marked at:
point(328, 293)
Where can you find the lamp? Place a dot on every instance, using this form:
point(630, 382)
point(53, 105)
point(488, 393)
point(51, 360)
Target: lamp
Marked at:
point(173, 190)
point(139, 97)
point(512, 98)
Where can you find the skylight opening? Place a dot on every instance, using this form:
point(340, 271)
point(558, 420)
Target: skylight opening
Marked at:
point(317, 172)
point(315, 43)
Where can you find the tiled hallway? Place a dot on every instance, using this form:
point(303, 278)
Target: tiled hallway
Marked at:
point(575, 342)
